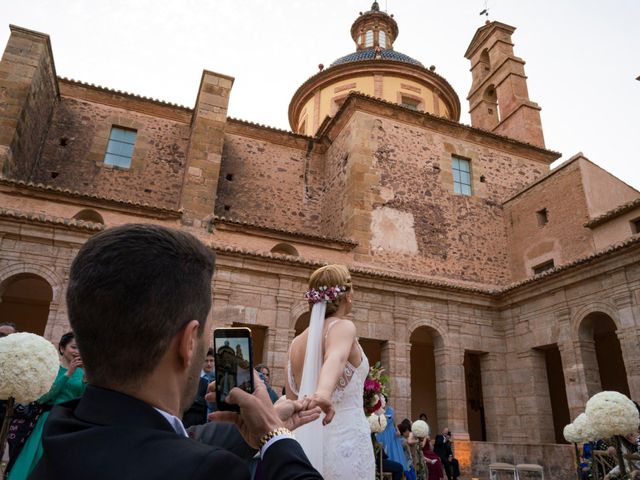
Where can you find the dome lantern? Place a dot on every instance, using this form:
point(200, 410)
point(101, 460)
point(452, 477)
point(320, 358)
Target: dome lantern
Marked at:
point(374, 29)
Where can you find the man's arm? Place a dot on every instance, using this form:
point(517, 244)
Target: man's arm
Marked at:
point(285, 460)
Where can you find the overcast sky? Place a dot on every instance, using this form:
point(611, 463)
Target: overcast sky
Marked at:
point(582, 55)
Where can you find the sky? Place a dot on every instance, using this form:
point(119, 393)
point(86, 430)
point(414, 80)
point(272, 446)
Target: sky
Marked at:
point(582, 56)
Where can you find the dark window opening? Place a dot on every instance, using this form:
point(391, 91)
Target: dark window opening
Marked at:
point(635, 225)
point(229, 177)
point(543, 217)
point(64, 141)
point(543, 267)
point(54, 174)
point(227, 208)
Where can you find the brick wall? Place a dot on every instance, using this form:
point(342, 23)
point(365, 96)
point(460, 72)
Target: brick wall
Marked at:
point(157, 168)
point(563, 238)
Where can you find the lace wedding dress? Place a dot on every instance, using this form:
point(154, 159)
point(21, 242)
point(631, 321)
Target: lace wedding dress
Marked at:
point(347, 451)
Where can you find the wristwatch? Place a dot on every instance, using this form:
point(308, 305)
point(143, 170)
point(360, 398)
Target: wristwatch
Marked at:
point(273, 433)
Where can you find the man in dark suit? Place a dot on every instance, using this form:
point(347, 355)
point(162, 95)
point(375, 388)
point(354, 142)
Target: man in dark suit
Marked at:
point(444, 450)
point(139, 301)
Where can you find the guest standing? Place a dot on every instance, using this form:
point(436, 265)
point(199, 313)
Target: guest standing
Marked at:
point(69, 384)
point(390, 439)
point(445, 451)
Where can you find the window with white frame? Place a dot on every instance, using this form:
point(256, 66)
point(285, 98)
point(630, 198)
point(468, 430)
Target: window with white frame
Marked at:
point(120, 147)
point(382, 39)
point(461, 169)
point(368, 39)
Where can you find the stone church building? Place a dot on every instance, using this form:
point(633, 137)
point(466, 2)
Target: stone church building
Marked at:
point(498, 294)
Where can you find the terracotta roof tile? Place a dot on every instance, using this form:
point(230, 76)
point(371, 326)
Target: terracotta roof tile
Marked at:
point(616, 212)
point(49, 219)
point(76, 194)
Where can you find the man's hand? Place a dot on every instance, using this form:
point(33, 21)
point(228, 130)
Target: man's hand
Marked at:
point(293, 414)
point(257, 415)
point(73, 365)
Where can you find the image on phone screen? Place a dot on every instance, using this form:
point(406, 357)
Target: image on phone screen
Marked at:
point(233, 365)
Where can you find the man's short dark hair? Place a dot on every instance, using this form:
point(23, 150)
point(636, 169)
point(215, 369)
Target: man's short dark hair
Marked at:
point(9, 324)
point(261, 367)
point(131, 290)
point(211, 352)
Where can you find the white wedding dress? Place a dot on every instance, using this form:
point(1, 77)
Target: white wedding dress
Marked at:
point(347, 451)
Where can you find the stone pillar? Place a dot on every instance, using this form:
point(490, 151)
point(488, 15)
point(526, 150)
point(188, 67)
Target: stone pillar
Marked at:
point(28, 95)
point(588, 361)
point(533, 404)
point(497, 400)
point(280, 339)
point(450, 390)
point(574, 377)
point(630, 345)
point(397, 355)
point(204, 157)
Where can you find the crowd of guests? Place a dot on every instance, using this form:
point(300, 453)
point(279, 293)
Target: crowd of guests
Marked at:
point(406, 450)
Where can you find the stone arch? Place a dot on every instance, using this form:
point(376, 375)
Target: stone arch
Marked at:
point(285, 249)
point(299, 309)
point(435, 325)
point(595, 307)
point(490, 97)
point(600, 349)
point(25, 299)
point(89, 215)
point(485, 60)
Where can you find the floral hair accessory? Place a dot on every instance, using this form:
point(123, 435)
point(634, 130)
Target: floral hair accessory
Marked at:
point(325, 294)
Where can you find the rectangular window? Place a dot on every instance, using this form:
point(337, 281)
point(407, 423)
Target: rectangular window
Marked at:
point(411, 103)
point(543, 217)
point(635, 226)
point(120, 147)
point(382, 39)
point(461, 169)
point(543, 267)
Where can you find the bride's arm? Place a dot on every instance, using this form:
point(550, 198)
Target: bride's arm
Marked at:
point(337, 350)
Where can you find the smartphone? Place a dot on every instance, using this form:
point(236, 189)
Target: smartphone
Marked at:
point(234, 363)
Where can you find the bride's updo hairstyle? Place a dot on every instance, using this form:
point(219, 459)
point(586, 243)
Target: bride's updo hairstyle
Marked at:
point(331, 276)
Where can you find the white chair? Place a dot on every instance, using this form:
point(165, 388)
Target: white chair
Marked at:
point(496, 468)
point(530, 467)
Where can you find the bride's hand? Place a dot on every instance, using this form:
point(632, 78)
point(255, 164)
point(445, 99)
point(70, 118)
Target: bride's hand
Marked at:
point(292, 413)
point(324, 402)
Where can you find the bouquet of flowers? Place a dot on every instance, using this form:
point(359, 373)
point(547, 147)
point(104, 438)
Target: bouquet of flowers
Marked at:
point(375, 389)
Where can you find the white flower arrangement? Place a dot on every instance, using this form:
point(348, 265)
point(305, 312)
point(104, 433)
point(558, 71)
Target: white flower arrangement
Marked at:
point(612, 413)
point(29, 366)
point(570, 434)
point(377, 423)
point(420, 429)
point(584, 429)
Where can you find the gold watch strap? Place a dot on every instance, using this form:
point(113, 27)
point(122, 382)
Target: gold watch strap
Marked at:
point(274, 433)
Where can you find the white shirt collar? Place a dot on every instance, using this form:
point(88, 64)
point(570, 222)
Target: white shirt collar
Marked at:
point(174, 421)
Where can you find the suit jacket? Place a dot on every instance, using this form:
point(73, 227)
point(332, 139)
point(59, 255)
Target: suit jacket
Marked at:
point(109, 435)
point(197, 412)
point(442, 447)
point(223, 435)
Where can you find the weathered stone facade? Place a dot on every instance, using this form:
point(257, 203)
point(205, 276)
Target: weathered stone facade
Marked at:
point(443, 281)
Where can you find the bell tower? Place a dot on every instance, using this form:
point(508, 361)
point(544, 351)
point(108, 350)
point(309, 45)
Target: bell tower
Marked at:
point(499, 98)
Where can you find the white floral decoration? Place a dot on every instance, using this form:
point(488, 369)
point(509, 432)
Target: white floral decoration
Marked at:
point(29, 366)
point(612, 413)
point(584, 429)
point(377, 423)
point(420, 429)
point(570, 434)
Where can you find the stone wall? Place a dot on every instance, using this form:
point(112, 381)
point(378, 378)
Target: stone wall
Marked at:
point(563, 237)
point(73, 157)
point(28, 90)
point(268, 184)
point(438, 232)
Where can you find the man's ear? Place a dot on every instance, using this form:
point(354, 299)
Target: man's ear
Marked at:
point(187, 342)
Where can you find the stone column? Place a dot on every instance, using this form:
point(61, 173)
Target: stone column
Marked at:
point(205, 147)
point(279, 341)
point(497, 400)
point(533, 404)
point(450, 390)
point(588, 361)
point(397, 357)
point(629, 339)
point(574, 377)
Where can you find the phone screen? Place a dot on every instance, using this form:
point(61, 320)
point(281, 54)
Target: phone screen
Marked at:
point(234, 363)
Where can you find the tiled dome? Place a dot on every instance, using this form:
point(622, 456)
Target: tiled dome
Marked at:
point(370, 54)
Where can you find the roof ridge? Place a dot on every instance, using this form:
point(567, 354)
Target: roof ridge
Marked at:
point(614, 212)
point(125, 93)
point(51, 219)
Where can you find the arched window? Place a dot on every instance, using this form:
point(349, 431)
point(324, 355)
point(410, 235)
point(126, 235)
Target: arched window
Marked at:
point(285, 249)
point(484, 60)
point(368, 39)
point(382, 39)
point(493, 109)
point(89, 215)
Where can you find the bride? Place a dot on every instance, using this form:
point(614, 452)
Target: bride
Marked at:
point(327, 368)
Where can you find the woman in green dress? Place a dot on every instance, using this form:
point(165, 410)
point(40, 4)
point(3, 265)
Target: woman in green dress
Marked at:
point(69, 384)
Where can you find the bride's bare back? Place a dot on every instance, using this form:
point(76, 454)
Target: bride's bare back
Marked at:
point(340, 347)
